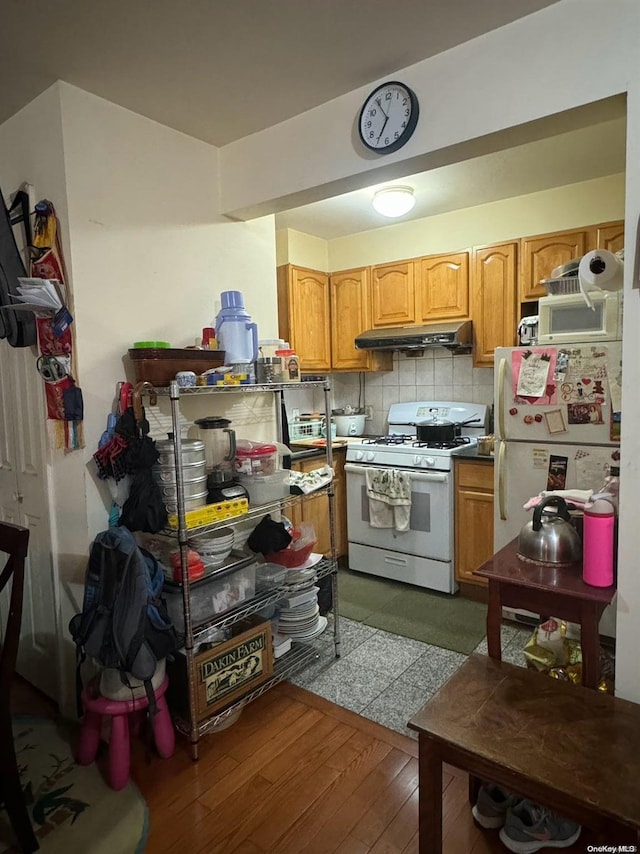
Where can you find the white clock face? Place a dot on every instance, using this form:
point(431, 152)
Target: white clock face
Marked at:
point(388, 118)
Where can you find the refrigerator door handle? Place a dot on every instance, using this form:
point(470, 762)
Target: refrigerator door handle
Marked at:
point(502, 450)
point(502, 368)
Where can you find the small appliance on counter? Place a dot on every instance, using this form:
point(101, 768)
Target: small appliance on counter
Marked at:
point(349, 421)
point(528, 331)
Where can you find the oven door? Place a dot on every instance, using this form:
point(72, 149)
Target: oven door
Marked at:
point(430, 533)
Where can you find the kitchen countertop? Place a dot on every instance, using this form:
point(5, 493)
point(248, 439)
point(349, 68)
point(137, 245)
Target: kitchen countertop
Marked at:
point(471, 452)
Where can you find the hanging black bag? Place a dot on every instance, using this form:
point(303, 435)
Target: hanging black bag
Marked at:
point(18, 327)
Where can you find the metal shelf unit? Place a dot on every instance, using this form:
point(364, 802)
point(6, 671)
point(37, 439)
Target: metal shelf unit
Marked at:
point(301, 654)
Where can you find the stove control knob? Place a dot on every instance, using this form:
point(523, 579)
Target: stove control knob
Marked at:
point(370, 456)
point(359, 455)
point(417, 460)
point(429, 461)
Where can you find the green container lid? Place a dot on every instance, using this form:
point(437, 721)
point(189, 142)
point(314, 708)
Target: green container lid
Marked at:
point(151, 345)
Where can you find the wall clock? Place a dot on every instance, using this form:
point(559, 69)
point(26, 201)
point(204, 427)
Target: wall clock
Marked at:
point(388, 117)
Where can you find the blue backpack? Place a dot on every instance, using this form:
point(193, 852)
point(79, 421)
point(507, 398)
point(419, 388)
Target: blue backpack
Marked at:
point(124, 622)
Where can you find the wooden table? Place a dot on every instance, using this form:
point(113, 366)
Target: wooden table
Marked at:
point(549, 590)
point(553, 742)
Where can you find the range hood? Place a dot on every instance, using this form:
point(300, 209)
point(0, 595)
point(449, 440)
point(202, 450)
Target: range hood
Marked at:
point(454, 336)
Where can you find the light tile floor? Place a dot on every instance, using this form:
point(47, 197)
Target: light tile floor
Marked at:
point(387, 678)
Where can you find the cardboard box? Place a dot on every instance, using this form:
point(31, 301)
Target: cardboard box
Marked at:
point(225, 672)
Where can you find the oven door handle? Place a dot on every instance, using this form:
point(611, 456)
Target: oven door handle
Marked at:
point(432, 477)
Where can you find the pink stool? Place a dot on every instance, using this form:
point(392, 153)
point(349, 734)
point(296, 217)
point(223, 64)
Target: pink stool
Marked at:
point(95, 706)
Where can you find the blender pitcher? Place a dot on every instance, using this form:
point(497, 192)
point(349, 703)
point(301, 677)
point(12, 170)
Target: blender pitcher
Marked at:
point(219, 448)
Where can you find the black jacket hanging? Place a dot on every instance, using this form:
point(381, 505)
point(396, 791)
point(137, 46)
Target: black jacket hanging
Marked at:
point(18, 327)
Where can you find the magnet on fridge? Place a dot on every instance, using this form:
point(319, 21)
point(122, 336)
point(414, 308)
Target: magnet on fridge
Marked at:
point(513, 411)
point(528, 419)
point(537, 418)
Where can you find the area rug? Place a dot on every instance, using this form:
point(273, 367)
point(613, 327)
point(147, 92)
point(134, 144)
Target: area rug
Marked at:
point(450, 622)
point(72, 809)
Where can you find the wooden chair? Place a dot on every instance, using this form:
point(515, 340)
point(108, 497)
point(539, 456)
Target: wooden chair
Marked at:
point(14, 541)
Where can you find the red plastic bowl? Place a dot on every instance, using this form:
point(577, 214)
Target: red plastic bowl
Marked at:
point(291, 558)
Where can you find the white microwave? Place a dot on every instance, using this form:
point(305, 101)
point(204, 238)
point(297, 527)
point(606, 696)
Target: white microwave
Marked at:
point(567, 319)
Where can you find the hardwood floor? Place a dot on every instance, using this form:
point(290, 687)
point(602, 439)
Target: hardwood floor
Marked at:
point(295, 775)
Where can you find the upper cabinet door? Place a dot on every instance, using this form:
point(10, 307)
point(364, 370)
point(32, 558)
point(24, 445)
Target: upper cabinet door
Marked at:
point(610, 236)
point(303, 315)
point(350, 315)
point(442, 287)
point(393, 294)
point(493, 300)
point(539, 256)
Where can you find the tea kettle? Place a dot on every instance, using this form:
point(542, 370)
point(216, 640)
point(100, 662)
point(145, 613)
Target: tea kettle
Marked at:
point(550, 537)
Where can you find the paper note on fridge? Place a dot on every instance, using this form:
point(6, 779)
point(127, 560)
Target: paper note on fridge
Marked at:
point(534, 370)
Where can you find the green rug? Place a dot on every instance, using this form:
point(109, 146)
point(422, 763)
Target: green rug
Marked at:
point(450, 622)
point(72, 809)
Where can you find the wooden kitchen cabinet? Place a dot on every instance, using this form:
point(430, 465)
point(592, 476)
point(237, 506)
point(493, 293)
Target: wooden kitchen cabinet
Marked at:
point(493, 300)
point(393, 294)
point(350, 293)
point(609, 235)
point(442, 287)
point(316, 511)
point(473, 517)
point(539, 255)
point(304, 315)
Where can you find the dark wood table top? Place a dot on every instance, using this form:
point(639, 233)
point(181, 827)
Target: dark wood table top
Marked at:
point(505, 566)
point(573, 740)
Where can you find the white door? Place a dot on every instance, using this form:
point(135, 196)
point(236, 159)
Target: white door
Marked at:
point(24, 501)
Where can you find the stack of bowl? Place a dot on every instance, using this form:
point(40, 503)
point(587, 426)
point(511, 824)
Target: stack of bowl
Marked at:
point(214, 548)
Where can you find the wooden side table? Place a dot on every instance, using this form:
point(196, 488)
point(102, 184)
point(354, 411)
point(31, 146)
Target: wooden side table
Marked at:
point(543, 739)
point(547, 589)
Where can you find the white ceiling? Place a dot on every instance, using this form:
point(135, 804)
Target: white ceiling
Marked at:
point(219, 70)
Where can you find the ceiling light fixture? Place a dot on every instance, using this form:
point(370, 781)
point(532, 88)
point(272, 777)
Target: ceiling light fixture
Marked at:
point(394, 201)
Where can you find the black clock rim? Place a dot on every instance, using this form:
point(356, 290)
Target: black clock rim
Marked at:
point(411, 125)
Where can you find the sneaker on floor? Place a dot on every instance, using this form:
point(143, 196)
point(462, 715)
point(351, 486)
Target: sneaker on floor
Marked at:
point(490, 809)
point(529, 828)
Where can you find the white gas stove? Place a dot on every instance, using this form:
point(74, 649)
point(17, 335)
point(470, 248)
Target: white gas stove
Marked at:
point(423, 553)
point(400, 446)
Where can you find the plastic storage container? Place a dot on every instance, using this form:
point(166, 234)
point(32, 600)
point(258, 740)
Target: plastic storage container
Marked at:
point(263, 488)
point(256, 458)
point(211, 595)
point(270, 575)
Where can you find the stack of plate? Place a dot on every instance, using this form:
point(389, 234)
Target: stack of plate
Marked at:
point(303, 622)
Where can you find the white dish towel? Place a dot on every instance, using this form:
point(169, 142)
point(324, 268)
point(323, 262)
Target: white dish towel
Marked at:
point(389, 494)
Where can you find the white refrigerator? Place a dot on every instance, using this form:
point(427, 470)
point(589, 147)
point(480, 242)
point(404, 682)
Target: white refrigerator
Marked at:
point(566, 439)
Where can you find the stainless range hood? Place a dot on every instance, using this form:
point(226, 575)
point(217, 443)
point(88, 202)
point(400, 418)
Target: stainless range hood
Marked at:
point(455, 335)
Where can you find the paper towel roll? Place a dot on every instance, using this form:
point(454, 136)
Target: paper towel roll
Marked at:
point(600, 270)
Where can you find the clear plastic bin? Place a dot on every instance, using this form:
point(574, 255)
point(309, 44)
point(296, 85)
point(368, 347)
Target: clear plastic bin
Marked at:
point(212, 595)
point(270, 575)
point(266, 487)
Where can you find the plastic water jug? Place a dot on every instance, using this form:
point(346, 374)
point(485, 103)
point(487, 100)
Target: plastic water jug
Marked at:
point(235, 332)
point(598, 544)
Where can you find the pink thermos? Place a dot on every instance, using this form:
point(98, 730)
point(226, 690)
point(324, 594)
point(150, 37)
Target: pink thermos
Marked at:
point(598, 540)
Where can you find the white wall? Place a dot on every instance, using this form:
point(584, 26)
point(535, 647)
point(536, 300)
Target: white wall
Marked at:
point(586, 203)
point(506, 78)
point(305, 250)
point(148, 254)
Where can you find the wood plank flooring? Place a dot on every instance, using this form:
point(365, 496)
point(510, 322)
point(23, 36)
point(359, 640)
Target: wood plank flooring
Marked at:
point(296, 775)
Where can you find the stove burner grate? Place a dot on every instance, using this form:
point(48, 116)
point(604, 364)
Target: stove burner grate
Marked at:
point(392, 439)
point(444, 446)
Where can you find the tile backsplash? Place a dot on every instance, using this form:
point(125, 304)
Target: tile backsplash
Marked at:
point(438, 375)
